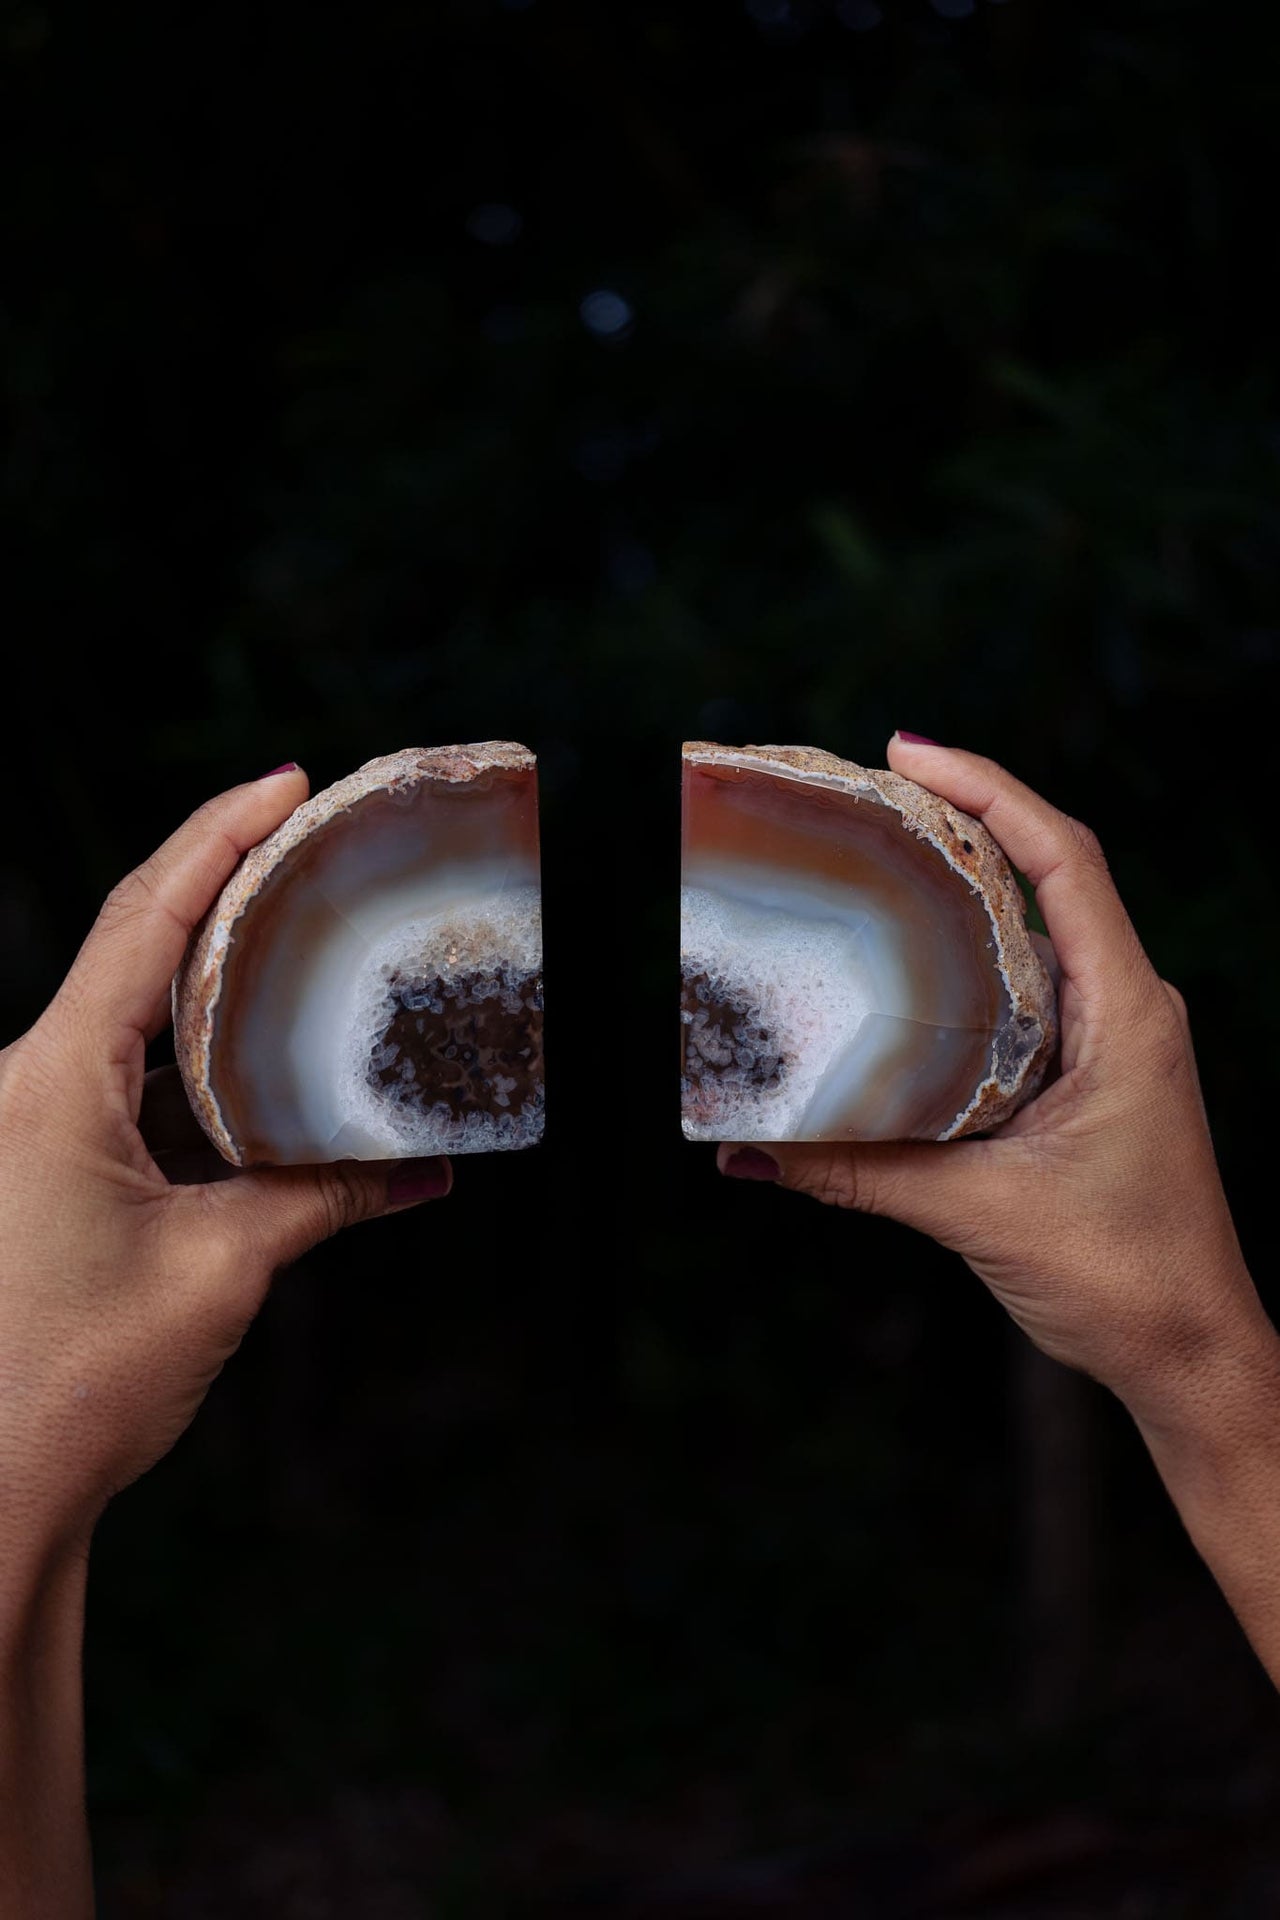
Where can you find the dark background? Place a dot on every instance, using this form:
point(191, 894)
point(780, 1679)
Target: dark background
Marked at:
point(738, 1558)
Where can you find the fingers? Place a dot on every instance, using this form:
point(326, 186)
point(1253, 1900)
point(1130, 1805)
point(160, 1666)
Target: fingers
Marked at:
point(124, 970)
point(278, 1213)
point(1092, 934)
point(928, 1186)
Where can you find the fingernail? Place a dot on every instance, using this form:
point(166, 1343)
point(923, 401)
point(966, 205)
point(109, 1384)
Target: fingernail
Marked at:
point(290, 766)
point(748, 1163)
point(419, 1180)
point(917, 739)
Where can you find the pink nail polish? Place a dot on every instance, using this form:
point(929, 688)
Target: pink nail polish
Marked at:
point(418, 1180)
point(290, 766)
point(748, 1163)
point(917, 739)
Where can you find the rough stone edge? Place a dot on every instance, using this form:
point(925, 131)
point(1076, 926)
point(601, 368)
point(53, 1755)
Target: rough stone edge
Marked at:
point(984, 866)
point(197, 985)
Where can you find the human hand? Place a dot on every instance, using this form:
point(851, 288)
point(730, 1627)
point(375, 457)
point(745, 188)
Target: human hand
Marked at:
point(1096, 1215)
point(121, 1293)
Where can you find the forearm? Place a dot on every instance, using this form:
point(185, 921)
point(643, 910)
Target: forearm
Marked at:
point(45, 1867)
point(1217, 1449)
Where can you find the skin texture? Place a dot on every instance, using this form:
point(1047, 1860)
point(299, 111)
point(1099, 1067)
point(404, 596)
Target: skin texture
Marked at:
point(1096, 1216)
point(131, 1264)
point(130, 1269)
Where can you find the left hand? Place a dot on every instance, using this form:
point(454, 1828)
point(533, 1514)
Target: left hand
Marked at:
point(121, 1293)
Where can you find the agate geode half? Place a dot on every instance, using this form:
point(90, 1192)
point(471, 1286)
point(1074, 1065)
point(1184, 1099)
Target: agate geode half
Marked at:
point(855, 958)
point(369, 983)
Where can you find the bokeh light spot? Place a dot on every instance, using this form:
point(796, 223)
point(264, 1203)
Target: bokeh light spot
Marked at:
point(605, 313)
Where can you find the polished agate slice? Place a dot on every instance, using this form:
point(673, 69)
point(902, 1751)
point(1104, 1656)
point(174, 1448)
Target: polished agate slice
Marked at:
point(854, 953)
point(369, 983)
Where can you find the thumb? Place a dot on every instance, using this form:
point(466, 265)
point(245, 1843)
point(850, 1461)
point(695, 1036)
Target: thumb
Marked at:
point(931, 1186)
point(283, 1211)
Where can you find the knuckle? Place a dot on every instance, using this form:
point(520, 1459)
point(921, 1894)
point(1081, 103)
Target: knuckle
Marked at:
point(836, 1181)
point(128, 899)
point(1177, 1001)
point(1083, 842)
point(994, 777)
point(340, 1198)
point(210, 826)
point(203, 1237)
point(29, 1078)
point(1165, 1035)
point(216, 1263)
point(991, 769)
point(210, 1249)
point(227, 1253)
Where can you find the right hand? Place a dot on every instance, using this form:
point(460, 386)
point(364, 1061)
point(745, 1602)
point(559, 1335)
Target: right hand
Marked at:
point(1096, 1215)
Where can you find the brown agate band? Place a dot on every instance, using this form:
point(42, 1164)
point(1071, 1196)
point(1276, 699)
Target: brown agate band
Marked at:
point(369, 983)
point(855, 958)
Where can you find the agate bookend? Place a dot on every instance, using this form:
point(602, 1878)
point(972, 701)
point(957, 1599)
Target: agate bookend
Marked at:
point(369, 983)
point(854, 954)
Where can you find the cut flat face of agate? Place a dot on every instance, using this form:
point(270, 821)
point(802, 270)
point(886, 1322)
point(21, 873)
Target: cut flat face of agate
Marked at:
point(854, 953)
point(368, 986)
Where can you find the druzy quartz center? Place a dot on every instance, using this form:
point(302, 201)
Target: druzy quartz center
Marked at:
point(721, 1033)
point(854, 955)
point(472, 1044)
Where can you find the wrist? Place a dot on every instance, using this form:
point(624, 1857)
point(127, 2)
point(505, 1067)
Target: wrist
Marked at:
point(1213, 1423)
point(1208, 1367)
point(42, 1601)
point(46, 1516)
point(43, 1570)
point(45, 1867)
point(1217, 1449)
